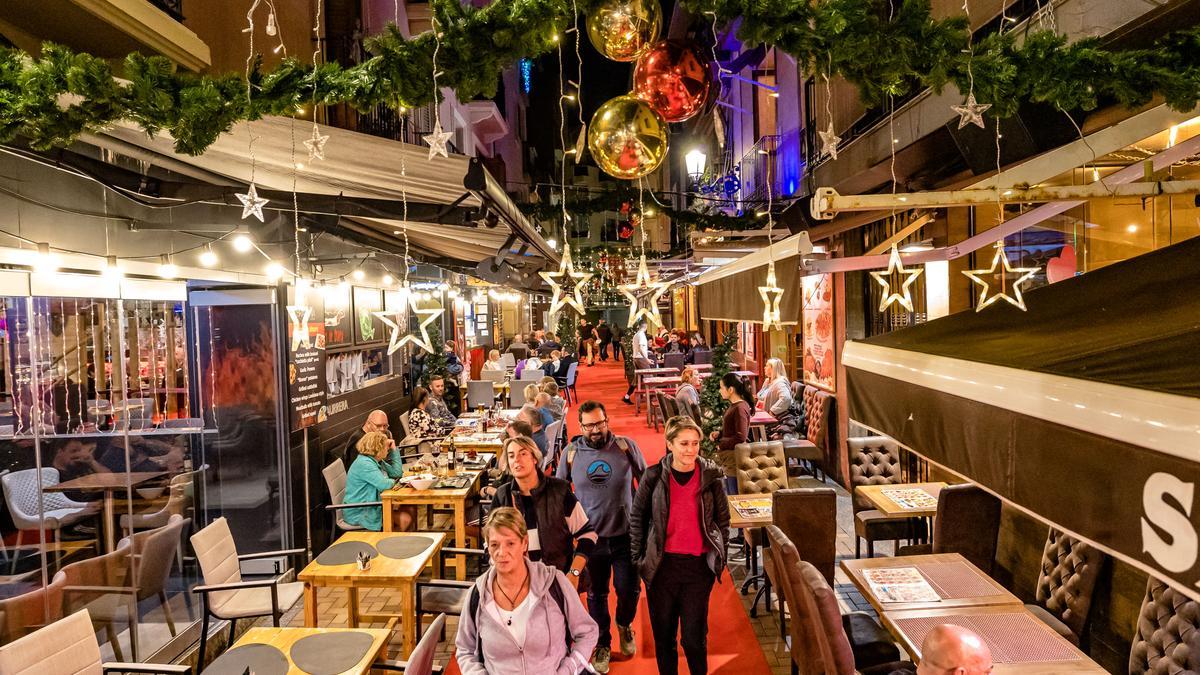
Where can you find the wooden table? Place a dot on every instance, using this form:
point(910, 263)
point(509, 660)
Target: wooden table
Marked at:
point(107, 483)
point(1019, 642)
point(652, 385)
point(759, 422)
point(283, 639)
point(761, 519)
point(641, 374)
point(878, 496)
point(958, 582)
point(385, 572)
point(406, 496)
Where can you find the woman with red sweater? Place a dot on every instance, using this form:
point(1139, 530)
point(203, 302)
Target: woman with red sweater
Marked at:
point(678, 531)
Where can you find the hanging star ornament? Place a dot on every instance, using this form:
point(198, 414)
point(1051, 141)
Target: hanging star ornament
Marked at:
point(316, 144)
point(771, 295)
point(971, 112)
point(566, 270)
point(393, 320)
point(437, 140)
point(829, 142)
point(299, 316)
point(642, 287)
point(908, 277)
point(252, 204)
point(1001, 265)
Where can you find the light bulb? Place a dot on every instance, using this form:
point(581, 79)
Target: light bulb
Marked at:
point(302, 285)
point(242, 243)
point(111, 269)
point(274, 270)
point(272, 27)
point(167, 269)
point(358, 275)
point(388, 280)
point(208, 258)
point(443, 287)
point(44, 262)
point(453, 292)
point(553, 243)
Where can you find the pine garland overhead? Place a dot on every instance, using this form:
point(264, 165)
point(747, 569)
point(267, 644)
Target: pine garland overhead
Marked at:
point(882, 49)
point(612, 200)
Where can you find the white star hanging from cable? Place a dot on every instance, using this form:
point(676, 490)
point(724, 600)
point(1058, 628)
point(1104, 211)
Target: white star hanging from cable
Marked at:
point(908, 277)
point(644, 286)
point(252, 204)
point(829, 142)
point(771, 295)
point(566, 269)
point(299, 315)
point(437, 140)
point(1001, 264)
point(971, 112)
point(395, 340)
point(316, 144)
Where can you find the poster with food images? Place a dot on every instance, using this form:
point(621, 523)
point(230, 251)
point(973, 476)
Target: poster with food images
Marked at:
point(367, 327)
point(819, 358)
point(337, 315)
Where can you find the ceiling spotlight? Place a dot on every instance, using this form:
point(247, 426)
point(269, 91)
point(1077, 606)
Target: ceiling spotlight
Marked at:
point(166, 268)
point(208, 258)
point(242, 243)
point(274, 270)
point(358, 275)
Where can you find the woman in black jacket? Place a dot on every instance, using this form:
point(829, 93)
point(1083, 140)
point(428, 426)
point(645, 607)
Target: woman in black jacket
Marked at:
point(679, 530)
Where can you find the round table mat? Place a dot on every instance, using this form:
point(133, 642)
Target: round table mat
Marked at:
point(330, 653)
point(259, 659)
point(404, 547)
point(345, 553)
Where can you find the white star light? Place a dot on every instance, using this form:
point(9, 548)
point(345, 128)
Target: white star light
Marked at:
point(971, 112)
point(908, 278)
point(299, 315)
point(1010, 277)
point(252, 204)
point(395, 340)
point(437, 140)
point(644, 286)
point(316, 144)
point(566, 269)
point(829, 142)
point(771, 295)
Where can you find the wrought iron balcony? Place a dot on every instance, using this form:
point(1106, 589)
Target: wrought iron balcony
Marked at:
point(758, 166)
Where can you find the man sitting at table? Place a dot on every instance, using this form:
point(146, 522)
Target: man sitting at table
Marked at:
point(953, 650)
point(437, 404)
point(533, 417)
point(375, 470)
point(377, 420)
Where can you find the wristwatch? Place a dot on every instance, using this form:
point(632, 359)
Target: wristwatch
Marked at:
point(574, 572)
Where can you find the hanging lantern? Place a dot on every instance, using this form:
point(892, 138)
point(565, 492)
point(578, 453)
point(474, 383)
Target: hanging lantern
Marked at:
point(623, 29)
point(627, 138)
point(675, 78)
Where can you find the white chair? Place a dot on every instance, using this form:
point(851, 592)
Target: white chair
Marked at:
point(21, 492)
point(492, 375)
point(69, 647)
point(411, 444)
point(480, 393)
point(420, 661)
point(153, 551)
point(224, 595)
point(508, 360)
point(554, 440)
point(335, 481)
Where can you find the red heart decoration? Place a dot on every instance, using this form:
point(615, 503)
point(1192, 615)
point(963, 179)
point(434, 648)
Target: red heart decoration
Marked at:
point(1062, 267)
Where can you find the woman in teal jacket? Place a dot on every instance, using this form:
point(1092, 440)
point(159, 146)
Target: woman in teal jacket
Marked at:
point(376, 469)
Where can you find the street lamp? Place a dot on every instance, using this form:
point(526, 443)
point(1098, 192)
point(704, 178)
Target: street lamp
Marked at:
point(695, 161)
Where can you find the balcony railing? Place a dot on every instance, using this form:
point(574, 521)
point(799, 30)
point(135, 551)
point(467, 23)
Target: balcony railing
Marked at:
point(172, 7)
point(757, 167)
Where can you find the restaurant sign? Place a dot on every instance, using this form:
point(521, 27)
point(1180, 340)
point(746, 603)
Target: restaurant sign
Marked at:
point(306, 365)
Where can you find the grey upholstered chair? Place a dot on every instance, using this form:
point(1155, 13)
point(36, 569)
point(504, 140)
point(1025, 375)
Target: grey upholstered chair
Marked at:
point(1167, 638)
point(335, 482)
point(1070, 569)
point(967, 522)
point(875, 460)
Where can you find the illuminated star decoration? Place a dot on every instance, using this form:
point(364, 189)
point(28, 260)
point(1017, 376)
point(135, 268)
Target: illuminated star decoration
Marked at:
point(566, 269)
point(829, 142)
point(299, 316)
point(437, 140)
point(971, 112)
point(1004, 268)
point(252, 204)
point(644, 286)
point(771, 295)
point(316, 144)
point(395, 340)
point(908, 276)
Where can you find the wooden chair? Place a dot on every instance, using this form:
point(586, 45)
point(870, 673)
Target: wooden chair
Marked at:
point(69, 647)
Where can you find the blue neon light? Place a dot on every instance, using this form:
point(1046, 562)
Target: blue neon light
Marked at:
point(526, 66)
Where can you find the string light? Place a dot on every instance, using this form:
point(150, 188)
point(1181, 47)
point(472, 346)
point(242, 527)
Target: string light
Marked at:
point(358, 275)
point(208, 257)
point(112, 270)
point(274, 270)
point(388, 280)
point(166, 268)
point(242, 243)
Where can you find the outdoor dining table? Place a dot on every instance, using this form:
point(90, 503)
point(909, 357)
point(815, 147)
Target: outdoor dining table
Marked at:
point(301, 651)
point(888, 583)
point(1019, 642)
point(108, 484)
point(903, 500)
point(652, 385)
point(641, 374)
point(398, 558)
point(748, 512)
point(759, 422)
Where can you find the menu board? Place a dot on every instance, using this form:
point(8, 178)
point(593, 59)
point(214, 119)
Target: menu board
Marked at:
point(306, 366)
point(337, 315)
point(367, 326)
point(819, 359)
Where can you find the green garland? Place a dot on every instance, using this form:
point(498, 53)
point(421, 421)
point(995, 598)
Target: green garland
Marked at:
point(54, 97)
point(712, 406)
point(612, 200)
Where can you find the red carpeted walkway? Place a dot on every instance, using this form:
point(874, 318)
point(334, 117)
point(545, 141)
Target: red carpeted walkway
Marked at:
point(732, 645)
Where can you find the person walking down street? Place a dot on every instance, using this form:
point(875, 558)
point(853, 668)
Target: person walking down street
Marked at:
point(678, 532)
point(521, 617)
point(641, 360)
point(617, 334)
point(605, 334)
point(604, 468)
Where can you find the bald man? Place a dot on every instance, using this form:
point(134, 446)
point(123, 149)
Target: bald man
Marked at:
point(954, 650)
point(377, 420)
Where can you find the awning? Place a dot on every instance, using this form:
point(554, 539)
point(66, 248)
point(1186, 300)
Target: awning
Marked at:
point(359, 165)
point(730, 292)
point(1084, 411)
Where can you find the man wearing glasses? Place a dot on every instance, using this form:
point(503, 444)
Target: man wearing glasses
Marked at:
point(603, 469)
point(377, 420)
point(953, 650)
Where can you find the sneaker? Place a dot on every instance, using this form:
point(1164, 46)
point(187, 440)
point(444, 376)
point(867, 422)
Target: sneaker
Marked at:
point(600, 659)
point(736, 557)
point(628, 645)
point(626, 400)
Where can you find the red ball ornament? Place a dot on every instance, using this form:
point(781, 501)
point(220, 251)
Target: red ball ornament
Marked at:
point(674, 77)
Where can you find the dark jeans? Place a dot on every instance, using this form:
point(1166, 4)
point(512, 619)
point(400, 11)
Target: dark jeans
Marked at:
point(611, 559)
point(678, 601)
point(604, 349)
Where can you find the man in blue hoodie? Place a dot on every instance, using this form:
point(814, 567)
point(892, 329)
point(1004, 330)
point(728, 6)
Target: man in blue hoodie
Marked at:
point(604, 469)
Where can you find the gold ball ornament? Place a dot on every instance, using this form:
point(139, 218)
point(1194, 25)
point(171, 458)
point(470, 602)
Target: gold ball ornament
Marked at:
point(627, 138)
point(623, 30)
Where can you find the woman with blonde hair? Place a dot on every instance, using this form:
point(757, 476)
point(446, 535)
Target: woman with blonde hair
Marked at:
point(493, 361)
point(374, 470)
point(775, 397)
point(522, 617)
point(687, 392)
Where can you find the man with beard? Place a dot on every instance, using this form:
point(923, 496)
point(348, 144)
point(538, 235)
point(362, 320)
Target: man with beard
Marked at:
point(436, 407)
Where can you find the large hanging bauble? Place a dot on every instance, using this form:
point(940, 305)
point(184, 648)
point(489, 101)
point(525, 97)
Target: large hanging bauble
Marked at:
point(675, 78)
point(627, 138)
point(624, 29)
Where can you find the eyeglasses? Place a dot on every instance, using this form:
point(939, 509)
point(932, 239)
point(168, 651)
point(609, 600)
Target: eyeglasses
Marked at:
point(594, 426)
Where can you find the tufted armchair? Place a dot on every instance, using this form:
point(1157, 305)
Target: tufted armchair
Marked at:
point(1166, 640)
point(875, 460)
point(1070, 569)
point(818, 413)
point(761, 467)
point(808, 516)
point(967, 523)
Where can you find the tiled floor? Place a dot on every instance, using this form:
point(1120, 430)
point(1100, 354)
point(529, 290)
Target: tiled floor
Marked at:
point(332, 603)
